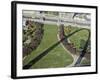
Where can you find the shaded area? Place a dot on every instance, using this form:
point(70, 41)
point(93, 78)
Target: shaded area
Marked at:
point(83, 51)
point(32, 62)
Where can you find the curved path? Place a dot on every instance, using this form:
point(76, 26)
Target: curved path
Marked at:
point(75, 57)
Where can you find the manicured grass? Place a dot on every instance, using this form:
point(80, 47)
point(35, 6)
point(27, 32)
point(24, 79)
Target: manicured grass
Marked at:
point(77, 37)
point(57, 57)
point(85, 62)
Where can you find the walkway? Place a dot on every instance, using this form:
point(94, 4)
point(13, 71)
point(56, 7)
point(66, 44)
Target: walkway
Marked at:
point(57, 20)
point(75, 57)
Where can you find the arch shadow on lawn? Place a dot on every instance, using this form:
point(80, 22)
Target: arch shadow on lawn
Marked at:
point(33, 61)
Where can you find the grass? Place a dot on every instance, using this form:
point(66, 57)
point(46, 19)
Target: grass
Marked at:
point(57, 57)
point(76, 39)
point(85, 62)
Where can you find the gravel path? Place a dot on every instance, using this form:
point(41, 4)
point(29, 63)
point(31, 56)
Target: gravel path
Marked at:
point(75, 57)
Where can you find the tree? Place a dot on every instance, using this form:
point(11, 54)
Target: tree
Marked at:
point(68, 29)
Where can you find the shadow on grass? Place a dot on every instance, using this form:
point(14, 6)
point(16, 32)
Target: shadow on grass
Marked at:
point(33, 61)
point(83, 52)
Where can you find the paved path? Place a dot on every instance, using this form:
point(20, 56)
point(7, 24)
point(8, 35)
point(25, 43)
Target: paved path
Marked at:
point(75, 57)
point(57, 21)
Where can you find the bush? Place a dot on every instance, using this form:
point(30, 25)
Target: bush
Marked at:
point(35, 32)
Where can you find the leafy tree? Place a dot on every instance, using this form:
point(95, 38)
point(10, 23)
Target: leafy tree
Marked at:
point(68, 29)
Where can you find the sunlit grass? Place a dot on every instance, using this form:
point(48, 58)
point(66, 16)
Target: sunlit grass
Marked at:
point(57, 57)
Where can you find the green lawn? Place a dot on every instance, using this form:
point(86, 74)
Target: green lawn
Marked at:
point(57, 57)
point(85, 62)
point(76, 39)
